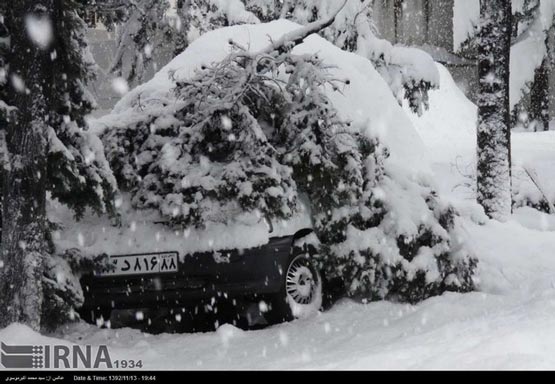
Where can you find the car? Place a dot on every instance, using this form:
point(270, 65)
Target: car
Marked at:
point(280, 277)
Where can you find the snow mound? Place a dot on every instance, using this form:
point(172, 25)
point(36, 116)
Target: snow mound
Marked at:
point(451, 119)
point(367, 100)
point(20, 334)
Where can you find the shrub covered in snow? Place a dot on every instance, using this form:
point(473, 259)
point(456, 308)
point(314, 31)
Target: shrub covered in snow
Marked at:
point(531, 190)
point(63, 293)
point(210, 160)
point(251, 132)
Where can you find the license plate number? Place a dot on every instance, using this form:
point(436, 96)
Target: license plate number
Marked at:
point(143, 264)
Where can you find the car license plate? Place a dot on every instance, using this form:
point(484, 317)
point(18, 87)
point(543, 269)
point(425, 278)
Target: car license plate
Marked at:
point(140, 264)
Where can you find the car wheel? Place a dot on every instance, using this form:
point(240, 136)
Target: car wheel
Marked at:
point(301, 293)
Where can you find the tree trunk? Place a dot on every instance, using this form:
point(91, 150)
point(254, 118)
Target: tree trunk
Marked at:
point(494, 120)
point(24, 184)
point(539, 97)
point(397, 19)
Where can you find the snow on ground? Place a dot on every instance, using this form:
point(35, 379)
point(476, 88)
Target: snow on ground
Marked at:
point(508, 324)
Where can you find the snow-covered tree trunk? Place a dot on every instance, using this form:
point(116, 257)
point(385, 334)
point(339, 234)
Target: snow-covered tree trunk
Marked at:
point(494, 120)
point(539, 97)
point(5, 109)
point(539, 93)
point(24, 182)
point(180, 39)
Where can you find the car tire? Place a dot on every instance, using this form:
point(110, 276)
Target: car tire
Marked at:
point(301, 292)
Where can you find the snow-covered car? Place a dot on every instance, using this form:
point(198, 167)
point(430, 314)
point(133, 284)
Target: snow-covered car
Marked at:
point(211, 175)
point(279, 273)
point(250, 263)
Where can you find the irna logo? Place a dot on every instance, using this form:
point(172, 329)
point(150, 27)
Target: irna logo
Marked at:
point(55, 356)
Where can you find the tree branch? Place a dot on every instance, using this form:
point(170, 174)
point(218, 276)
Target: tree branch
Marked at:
point(297, 36)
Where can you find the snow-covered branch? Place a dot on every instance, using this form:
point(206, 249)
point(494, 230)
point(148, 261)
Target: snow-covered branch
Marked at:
point(296, 37)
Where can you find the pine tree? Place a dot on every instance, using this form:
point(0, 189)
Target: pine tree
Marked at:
point(524, 24)
point(5, 109)
point(181, 41)
point(539, 91)
point(141, 31)
point(221, 163)
point(78, 173)
point(494, 122)
point(47, 146)
point(24, 182)
point(539, 96)
point(144, 28)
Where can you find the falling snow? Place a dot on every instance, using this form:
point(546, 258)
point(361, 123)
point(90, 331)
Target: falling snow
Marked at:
point(139, 132)
point(120, 86)
point(39, 30)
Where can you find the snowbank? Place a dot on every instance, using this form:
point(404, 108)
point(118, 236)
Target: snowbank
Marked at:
point(449, 126)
